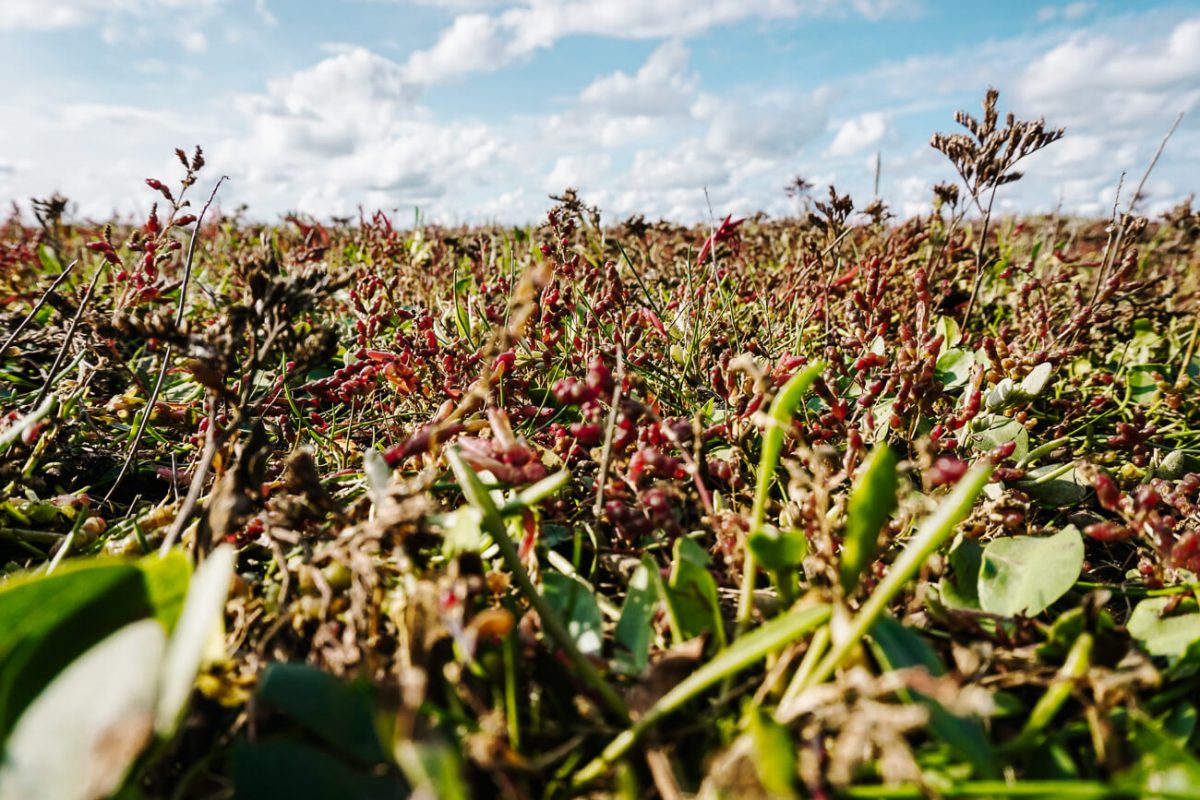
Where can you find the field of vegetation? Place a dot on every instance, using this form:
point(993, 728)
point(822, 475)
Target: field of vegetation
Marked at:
point(833, 506)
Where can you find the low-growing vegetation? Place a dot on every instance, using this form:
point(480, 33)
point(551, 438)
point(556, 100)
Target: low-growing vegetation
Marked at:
point(835, 506)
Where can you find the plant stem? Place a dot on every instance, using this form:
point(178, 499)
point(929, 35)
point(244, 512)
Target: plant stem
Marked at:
point(752, 647)
point(477, 495)
point(780, 417)
point(932, 533)
point(1074, 790)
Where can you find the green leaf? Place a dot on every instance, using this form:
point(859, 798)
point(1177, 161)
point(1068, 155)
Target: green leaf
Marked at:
point(283, 770)
point(336, 711)
point(166, 579)
point(871, 503)
point(433, 770)
point(746, 650)
point(78, 738)
point(1036, 380)
point(1025, 574)
point(577, 607)
point(1165, 768)
point(635, 628)
point(778, 550)
point(783, 407)
point(774, 755)
point(1164, 636)
point(1067, 627)
point(1055, 485)
point(201, 620)
point(898, 647)
point(953, 368)
point(49, 620)
point(692, 592)
point(961, 590)
point(931, 534)
point(995, 430)
point(1143, 386)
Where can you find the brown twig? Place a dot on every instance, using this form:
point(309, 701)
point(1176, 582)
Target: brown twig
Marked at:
point(62, 276)
point(166, 359)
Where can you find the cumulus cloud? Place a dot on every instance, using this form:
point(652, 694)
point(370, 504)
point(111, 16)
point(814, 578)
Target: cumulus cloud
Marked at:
point(860, 133)
point(481, 42)
point(1097, 77)
point(661, 87)
point(348, 131)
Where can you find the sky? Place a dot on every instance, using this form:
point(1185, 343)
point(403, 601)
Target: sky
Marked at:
point(478, 110)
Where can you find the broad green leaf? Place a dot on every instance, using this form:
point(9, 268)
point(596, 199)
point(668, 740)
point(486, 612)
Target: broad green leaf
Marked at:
point(284, 770)
point(995, 430)
point(1055, 485)
point(948, 328)
point(871, 503)
point(954, 367)
point(336, 711)
point(200, 621)
point(774, 755)
point(50, 620)
point(78, 738)
point(1164, 636)
point(1143, 386)
point(961, 590)
point(692, 591)
point(1025, 574)
point(576, 605)
point(899, 647)
point(1144, 346)
point(1033, 383)
point(635, 628)
point(167, 579)
point(778, 550)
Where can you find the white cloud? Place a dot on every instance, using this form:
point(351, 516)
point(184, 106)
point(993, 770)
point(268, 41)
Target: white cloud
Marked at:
point(193, 41)
point(660, 88)
point(479, 42)
point(772, 124)
point(1091, 78)
point(584, 172)
point(347, 131)
point(264, 13)
point(860, 133)
point(40, 15)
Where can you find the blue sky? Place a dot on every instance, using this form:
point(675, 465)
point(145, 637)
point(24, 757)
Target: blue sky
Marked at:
point(478, 109)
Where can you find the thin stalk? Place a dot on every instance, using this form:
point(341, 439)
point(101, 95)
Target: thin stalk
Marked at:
point(933, 532)
point(180, 310)
point(1071, 790)
point(751, 648)
point(780, 416)
point(62, 276)
point(803, 674)
point(477, 495)
point(66, 345)
point(1076, 665)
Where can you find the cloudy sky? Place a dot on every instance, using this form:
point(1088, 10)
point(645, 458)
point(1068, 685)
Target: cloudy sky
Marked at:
point(478, 109)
